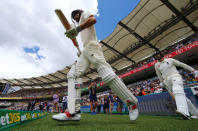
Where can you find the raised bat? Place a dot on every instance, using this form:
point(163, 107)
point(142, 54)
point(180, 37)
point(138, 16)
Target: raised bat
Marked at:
point(67, 26)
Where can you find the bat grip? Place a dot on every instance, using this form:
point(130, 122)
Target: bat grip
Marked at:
point(79, 51)
point(75, 42)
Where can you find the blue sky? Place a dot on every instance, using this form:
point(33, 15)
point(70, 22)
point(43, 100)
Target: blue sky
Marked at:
point(34, 50)
point(111, 12)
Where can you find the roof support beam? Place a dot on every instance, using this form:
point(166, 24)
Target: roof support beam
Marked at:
point(108, 46)
point(31, 82)
point(55, 76)
point(62, 73)
point(174, 10)
point(46, 83)
point(41, 84)
point(38, 80)
point(140, 38)
point(12, 84)
point(19, 81)
point(50, 80)
point(87, 77)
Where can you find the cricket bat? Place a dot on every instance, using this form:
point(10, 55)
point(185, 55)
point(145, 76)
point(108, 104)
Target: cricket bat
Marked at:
point(67, 26)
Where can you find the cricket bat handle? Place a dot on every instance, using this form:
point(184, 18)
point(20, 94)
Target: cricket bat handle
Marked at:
point(67, 26)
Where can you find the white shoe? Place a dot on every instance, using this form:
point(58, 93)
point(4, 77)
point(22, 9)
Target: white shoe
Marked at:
point(133, 112)
point(185, 117)
point(67, 117)
point(194, 117)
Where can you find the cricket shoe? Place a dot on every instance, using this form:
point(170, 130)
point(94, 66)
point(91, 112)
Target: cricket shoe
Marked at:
point(185, 117)
point(133, 111)
point(66, 116)
point(194, 117)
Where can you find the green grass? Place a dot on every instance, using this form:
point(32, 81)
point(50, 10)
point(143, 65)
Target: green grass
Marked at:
point(102, 122)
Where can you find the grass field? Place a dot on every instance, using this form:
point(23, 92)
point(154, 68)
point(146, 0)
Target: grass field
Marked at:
point(102, 122)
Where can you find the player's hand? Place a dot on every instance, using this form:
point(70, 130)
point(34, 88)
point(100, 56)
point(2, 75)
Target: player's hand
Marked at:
point(162, 84)
point(196, 74)
point(78, 54)
point(71, 33)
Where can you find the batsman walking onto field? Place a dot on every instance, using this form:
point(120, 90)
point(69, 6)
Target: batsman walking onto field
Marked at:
point(92, 54)
point(171, 79)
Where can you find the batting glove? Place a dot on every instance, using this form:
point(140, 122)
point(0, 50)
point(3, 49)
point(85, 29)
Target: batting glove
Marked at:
point(162, 84)
point(196, 74)
point(73, 32)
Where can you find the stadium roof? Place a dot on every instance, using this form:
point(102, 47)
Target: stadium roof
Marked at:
point(152, 25)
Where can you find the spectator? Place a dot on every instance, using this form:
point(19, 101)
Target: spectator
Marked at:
point(29, 105)
point(55, 102)
point(33, 105)
point(119, 104)
point(99, 105)
point(142, 93)
point(106, 104)
point(111, 100)
point(158, 89)
point(92, 97)
point(41, 106)
point(60, 105)
point(64, 103)
point(46, 106)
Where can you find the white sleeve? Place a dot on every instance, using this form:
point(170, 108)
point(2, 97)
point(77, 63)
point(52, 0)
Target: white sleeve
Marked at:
point(158, 73)
point(183, 65)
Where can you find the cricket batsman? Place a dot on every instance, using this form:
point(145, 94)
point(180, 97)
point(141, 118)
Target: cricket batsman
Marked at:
point(171, 79)
point(92, 54)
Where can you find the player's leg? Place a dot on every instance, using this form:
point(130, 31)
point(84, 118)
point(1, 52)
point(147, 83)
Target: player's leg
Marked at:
point(74, 90)
point(74, 82)
point(73, 104)
point(111, 107)
point(192, 109)
point(180, 98)
point(95, 103)
point(95, 55)
point(91, 105)
point(116, 84)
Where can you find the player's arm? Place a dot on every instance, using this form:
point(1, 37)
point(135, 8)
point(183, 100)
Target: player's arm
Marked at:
point(185, 66)
point(91, 20)
point(158, 73)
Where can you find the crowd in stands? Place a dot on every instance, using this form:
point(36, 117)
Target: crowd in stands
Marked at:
point(39, 105)
point(38, 92)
